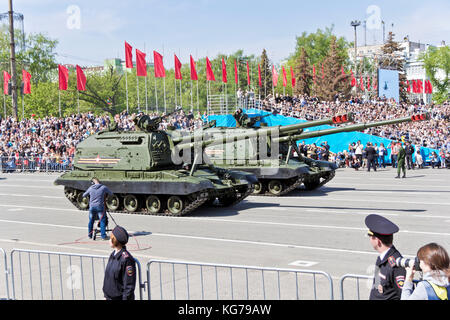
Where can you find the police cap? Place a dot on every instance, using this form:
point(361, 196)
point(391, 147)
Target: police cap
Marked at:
point(121, 235)
point(379, 225)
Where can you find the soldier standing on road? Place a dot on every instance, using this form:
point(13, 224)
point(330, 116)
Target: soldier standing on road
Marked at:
point(401, 161)
point(388, 278)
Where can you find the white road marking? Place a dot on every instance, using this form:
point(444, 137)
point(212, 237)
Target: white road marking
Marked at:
point(29, 195)
point(303, 264)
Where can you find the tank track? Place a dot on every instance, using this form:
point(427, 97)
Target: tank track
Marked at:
point(330, 176)
point(196, 200)
point(288, 187)
point(240, 197)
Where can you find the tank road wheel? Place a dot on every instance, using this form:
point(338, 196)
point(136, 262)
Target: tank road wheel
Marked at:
point(130, 203)
point(275, 187)
point(113, 202)
point(153, 204)
point(258, 188)
point(82, 202)
point(175, 204)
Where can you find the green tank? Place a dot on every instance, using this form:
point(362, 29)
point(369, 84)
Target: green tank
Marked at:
point(146, 175)
point(277, 174)
point(279, 171)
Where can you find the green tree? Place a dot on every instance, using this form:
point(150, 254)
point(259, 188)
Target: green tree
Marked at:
point(437, 61)
point(333, 82)
point(303, 72)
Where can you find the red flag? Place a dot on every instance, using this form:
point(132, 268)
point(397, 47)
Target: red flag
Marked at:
point(428, 87)
point(414, 86)
point(361, 82)
point(26, 78)
point(194, 75)
point(292, 78)
point(284, 76)
point(209, 71)
point(224, 71)
point(274, 76)
point(236, 74)
point(248, 74)
point(342, 71)
point(160, 72)
point(259, 76)
point(6, 78)
point(368, 83)
point(419, 86)
point(128, 56)
point(178, 75)
point(63, 75)
point(314, 73)
point(353, 79)
point(141, 65)
point(408, 87)
point(81, 79)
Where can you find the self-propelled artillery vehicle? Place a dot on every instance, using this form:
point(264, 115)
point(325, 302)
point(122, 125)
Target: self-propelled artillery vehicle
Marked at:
point(268, 152)
point(144, 171)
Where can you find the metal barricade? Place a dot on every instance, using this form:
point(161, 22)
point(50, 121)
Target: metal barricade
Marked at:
point(4, 287)
point(199, 281)
point(59, 276)
point(358, 282)
point(36, 164)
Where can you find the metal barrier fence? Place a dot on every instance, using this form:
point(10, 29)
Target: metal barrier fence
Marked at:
point(199, 281)
point(44, 270)
point(4, 286)
point(25, 164)
point(357, 277)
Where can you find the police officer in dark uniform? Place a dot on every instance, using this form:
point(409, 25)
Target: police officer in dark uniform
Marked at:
point(388, 278)
point(371, 155)
point(120, 273)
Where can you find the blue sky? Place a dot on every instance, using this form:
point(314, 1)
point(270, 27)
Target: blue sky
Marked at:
point(209, 27)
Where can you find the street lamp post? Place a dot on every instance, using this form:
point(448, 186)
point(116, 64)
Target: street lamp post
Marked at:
point(355, 24)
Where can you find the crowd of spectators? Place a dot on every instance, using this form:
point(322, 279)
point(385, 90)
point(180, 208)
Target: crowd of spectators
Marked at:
point(433, 134)
point(49, 143)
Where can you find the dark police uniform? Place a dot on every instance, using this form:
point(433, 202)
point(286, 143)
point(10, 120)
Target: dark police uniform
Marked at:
point(120, 276)
point(388, 278)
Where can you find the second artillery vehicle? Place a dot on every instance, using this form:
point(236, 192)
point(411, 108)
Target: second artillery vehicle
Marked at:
point(268, 152)
point(139, 168)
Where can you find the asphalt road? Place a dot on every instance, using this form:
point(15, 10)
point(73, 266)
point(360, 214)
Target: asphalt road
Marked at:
point(316, 230)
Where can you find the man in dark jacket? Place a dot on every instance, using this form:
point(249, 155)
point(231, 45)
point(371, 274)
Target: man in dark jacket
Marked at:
point(371, 155)
point(97, 193)
point(409, 150)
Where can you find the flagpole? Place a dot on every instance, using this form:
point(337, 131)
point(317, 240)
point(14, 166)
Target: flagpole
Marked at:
point(156, 96)
point(126, 86)
point(198, 103)
point(59, 102)
point(137, 89)
point(146, 99)
point(4, 103)
point(175, 89)
point(192, 105)
point(78, 101)
point(165, 106)
point(23, 108)
point(181, 96)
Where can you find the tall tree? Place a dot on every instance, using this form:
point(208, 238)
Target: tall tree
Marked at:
point(303, 72)
point(392, 59)
point(266, 75)
point(333, 83)
point(437, 61)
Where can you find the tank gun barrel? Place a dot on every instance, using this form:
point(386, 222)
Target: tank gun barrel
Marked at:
point(337, 119)
point(355, 127)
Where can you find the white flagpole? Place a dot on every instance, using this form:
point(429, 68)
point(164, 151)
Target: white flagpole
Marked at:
point(165, 106)
point(4, 104)
point(23, 107)
point(175, 89)
point(181, 97)
point(192, 106)
point(126, 86)
point(59, 102)
point(146, 100)
point(198, 103)
point(137, 88)
point(156, 96)
point(78, 101)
